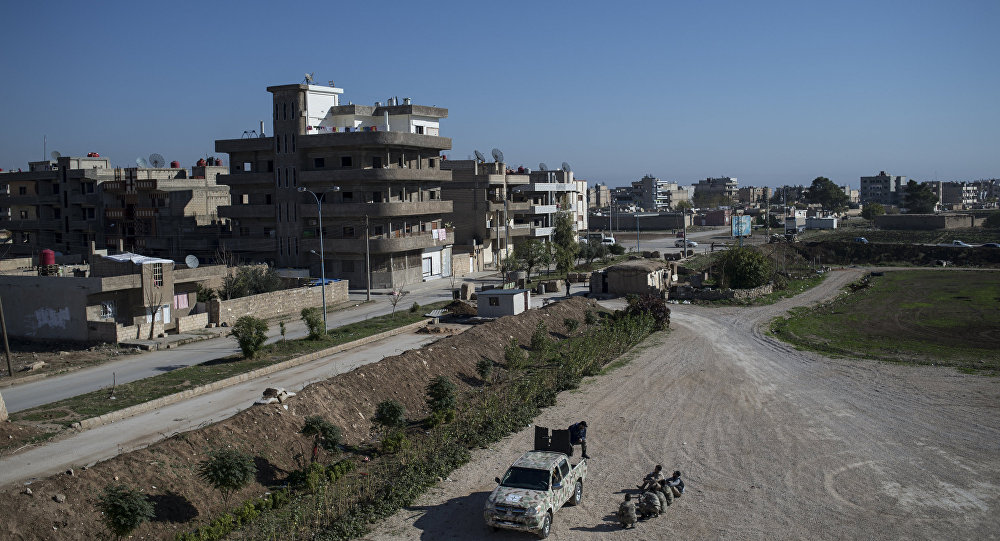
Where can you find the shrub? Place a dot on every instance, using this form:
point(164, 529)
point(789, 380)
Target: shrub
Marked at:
point(205, 294)
point(250, 280)
point(325, 434)
point(616, 249)
point(589, 317)
point(227, 471)
point(744, 268)
point(484, 367)
point(571, 324)
point(394, 443)
point(441, 395)
point(652, 305)
point(514, 356)
point(390, 414)
point(250, 333)
point(123, 509)
point(313, 318)
point(414, 308)
point(540, 340)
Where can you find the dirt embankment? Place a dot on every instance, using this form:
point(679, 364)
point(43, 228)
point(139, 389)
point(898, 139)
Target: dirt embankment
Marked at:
point(166, 470)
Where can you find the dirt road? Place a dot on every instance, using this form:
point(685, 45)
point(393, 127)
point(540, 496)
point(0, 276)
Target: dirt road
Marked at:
point(772, 442)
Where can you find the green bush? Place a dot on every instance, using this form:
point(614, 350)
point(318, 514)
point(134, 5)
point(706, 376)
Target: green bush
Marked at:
point(205, 294)
point(414, 308)
point(250, 280)
point(589, 317)
point(616, 249)
point(250, 333)
point(540, 341)
point(484, 367)
point(325, 434)
point(441, 395)
point(650, 304)
point(571, 324)
point(313, 318)
point(514, 356)
point(744, 268)
point(123, 509)
point(390, 414)
point(227, 470)
point(395, 442)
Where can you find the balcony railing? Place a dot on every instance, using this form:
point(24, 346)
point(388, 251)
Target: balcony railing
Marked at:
point(382, 210)
point(383, 243)
point(326, 176)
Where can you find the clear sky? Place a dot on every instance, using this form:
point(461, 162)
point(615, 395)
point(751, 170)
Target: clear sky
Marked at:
point(769, 92)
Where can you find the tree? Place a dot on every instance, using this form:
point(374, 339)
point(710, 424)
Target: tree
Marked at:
point(326, 435)
point(227, 471)
point(154, 304)
point(593, 249)
point(390, 414)
point(872, 210)
point(919, 198)
point(250, 280)
point(744, 268)
point(250, 333)
point(441, 400)
point(394, 298)
point(313, 318)
point(652, 305)
point(530, 254)
point(824, 192)
point(683, 205)
point(123, 509)
point(565, 239)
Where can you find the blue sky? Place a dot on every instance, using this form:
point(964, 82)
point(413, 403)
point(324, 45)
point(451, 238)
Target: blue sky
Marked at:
point(769, 92)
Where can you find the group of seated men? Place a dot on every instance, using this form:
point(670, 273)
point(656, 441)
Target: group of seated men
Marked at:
point(656, 494)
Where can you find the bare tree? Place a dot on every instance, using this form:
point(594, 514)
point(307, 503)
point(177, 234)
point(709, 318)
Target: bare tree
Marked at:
point(396, 296)
point(154, 303)
point(226, 257)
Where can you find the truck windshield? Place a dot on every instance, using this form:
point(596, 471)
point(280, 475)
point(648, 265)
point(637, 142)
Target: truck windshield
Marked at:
point(526, 478)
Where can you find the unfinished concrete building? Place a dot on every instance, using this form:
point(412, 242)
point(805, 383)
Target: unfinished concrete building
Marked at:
point(376, 168)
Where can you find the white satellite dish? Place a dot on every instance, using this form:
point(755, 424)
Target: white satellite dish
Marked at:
point(141, 163)
point(55, 155)
point(191, 261)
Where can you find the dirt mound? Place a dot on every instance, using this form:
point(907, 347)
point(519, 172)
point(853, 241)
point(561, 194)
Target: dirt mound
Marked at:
point(461, 308)
point(167, 470)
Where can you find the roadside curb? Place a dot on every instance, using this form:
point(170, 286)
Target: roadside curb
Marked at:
point(107, 418)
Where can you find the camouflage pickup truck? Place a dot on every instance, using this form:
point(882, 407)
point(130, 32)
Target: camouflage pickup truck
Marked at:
point(535, 486)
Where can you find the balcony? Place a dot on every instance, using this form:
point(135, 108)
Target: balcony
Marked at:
point(257, 144)
point(247, 211)
point(381, 210)
point(544, 209)
point(245, 178)
point(381, 245)
point(547, 187)
point(512, 206)
point(369, 138)
point(247, 244)
point(542, 231)
point(359, 175)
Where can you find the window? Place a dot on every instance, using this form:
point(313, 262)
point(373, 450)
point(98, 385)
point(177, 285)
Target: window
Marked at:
point(245, 199)
point(376, 163)
point(377, 229)
point(430, 163)
point(346, 161)
point(267, 199)
point(90, 213)
point(494, 301)
point(24, 215)
point(319, 163)
point(418, 129)
point(108, 309)
point(22, 190)
point(348, 232)
point(564, 468)
point(158, 274)
point(433, 195)
point(56, 213)
point(347, 196)
point(247, 167)
point(270, 166)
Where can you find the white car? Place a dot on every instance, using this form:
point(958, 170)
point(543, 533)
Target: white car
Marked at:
point(679, 243)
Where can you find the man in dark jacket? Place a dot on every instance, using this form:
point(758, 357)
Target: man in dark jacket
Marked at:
point(675, 484)
point(578, 436)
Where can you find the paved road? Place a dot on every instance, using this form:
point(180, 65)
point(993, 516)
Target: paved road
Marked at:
point(135, 367)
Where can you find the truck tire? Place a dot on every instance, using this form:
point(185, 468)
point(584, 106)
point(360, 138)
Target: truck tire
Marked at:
point(546, 526)
point(577, 496)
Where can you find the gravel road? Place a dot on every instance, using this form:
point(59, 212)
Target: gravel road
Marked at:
point(773, 443)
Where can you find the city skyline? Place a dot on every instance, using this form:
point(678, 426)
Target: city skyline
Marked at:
point(772, 94)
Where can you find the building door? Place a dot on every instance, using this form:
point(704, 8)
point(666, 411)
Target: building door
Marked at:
point(427, 266)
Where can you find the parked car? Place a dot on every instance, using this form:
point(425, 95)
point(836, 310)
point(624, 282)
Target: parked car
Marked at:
point(861, 240)
point(679, 243)
point(991, 245)
point(960, 244)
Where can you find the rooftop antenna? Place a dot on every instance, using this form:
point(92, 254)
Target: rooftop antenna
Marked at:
point(497, 155)
point(55, 155)
point(480, 157)
point(543, 167)
point(309, 78)
point(140, 162)
point(331, 83)
point(156, 160)
point(567, 168)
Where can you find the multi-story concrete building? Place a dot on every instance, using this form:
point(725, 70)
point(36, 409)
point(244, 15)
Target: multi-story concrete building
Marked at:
point(653, 194)
point(751, 195)
point(76, 205)
point(963, 195)
point(384, 159)
point(853, 196)
point(548, 193)
point(598, 196)
point(882, 188)
point(721, 189)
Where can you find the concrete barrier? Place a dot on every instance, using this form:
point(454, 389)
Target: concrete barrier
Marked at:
point(113, 416)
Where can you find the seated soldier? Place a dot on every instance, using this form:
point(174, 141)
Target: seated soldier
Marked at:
point(652, 479)
point(675, 484)
point(668, 494)
point(649, 505)
point(626, 512)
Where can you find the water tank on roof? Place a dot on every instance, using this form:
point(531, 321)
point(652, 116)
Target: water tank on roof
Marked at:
point(47, 257)
point(201, 163)
point(175, 164)
point(218, 162)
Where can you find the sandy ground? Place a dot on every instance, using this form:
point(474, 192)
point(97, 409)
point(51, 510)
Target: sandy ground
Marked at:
point(773, 443)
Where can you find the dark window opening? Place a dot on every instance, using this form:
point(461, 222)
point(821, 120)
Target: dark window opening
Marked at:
point(377, 162)
point(348, 232)
point(270, 166)
point(319, 163)
point(346, 161)
point(347, 196)
point(430, 163)
point(418, 129)
point(22, 191)
point(494, 301)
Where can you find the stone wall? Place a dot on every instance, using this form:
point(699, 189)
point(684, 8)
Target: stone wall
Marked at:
point(691, 293)
point(287, 302)
point(191, 322)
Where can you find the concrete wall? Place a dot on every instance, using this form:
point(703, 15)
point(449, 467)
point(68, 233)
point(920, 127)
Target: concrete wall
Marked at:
point(47, 307)
point(626, 222)
point(287, 302)
point(192, 322)
point(924, 221)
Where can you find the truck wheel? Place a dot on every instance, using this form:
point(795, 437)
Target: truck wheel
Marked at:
point(577, 496)
point(546, 526)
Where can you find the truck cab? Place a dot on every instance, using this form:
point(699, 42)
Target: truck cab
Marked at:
point(534, 487)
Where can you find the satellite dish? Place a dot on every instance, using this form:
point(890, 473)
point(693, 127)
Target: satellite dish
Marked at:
point(479, 156)
point(55, 155)
point(141, 162)
point(191, 261)
point(497, 155)
point(543, 167)
point(156, 160)
point(309, 78)
point(566, 167)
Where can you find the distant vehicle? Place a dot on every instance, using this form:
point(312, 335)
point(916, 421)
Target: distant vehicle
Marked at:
point(680, 235)
point(679, 243)
point(960, 244)
point(606, 239)
point(319, 281)
point(861, 240)
point(991, 245)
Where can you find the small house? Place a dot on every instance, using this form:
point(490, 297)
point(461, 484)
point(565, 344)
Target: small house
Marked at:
point(503, 302)
point(637, 276)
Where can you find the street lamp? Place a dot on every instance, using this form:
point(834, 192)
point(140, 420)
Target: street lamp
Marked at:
point(322, 253)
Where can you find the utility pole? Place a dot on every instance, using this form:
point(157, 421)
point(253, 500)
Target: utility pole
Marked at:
point(6, 346)
point(368, 257)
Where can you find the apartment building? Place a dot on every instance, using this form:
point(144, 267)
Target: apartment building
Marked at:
point(75, 205)
point(721, 190)
point(653, 194)
point(752, 195)
point(599, 196)
point(549, 193)
point(376, 169)
point(882, 188)
point(961, 195)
